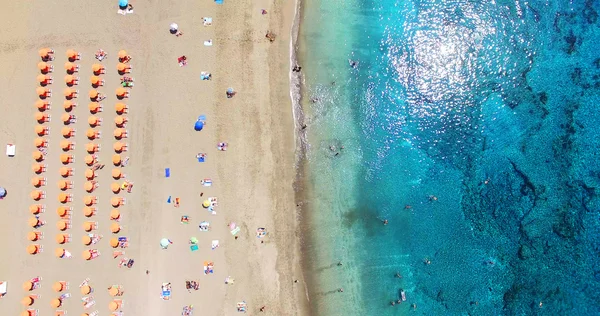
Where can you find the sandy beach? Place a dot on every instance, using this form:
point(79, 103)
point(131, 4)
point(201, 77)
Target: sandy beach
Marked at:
point(253, 179)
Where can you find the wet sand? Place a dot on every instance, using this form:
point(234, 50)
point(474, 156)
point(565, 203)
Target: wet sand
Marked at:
point(252, 179)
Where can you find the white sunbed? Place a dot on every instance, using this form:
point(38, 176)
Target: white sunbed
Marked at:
point(11, 150)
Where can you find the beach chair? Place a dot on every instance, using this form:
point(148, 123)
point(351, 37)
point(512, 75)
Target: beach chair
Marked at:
point(3, 288)
point(166, 291)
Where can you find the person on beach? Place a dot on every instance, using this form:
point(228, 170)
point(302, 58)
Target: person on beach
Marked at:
point(262, 309)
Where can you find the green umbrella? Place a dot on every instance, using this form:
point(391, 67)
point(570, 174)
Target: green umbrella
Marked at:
point(194, 240)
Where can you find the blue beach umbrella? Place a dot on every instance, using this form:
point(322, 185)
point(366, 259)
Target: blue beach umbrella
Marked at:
point(123, 4)
point(2, 192)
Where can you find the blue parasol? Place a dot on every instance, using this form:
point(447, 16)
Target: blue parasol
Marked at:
point(2, 192)
point(123, 4)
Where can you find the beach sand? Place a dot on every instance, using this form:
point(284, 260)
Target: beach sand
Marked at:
point(253, 179)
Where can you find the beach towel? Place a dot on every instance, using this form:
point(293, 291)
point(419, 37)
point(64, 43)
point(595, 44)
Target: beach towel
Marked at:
point(235, 231)
point(207, 21)
point(167, 172)
point(194, 248)
point(215, 244)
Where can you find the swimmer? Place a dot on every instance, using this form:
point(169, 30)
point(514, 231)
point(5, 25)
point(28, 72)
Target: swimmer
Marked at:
point(340, 290)
point(426, 261)
point(398, 275)
point(433, 198)
point(339, 264)
point(392, 303)
point(385, 222)
point(352, 63)
point(407, 207)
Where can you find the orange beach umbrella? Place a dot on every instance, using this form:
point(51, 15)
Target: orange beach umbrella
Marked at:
point(89, 174)
point(121, 92)
point(56, 303)
point(27, 300)
point(63, 197)
point(33, 222)
point(115, 228)
point(119, 147)
point(97, 69)
point(33, 249)
point(86, 240)
point(68, 105)
point(58, 286)
point(34, 236)
point(115, 214)
point(37, 156)
point(41, 130)
point(40, 142)
point(94, 107)
point(42, 92)
point(62, 211)
point(115, 187)
point(92, 148)
point(116, 202)
point(88, 211)
point(114, 242)
point(62, 225)
point(65, 171)
point(35, 208)
point(72, 54)
point(85, 290)
point(120, 108)
point(113, 291)
point(28, 286)
point(59, 252)
point(36, 195)
point(116, 173)
point(42, 105)
point(120, 121)
point(43, 79)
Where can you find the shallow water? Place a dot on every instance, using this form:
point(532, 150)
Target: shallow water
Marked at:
point(469, 126)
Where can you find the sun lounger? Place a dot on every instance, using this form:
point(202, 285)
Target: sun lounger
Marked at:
point(3, 288)
point(188, 310)
point(166, 291)
point(89, 304)
point(85, 282)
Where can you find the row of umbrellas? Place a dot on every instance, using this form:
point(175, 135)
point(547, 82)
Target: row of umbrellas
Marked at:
point(61, 287)
point(67, 145)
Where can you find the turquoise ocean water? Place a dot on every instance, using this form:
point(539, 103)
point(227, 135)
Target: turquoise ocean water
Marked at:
point(472, 127)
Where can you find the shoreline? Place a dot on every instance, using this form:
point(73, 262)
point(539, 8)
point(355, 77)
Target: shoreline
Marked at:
point(301, 145)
